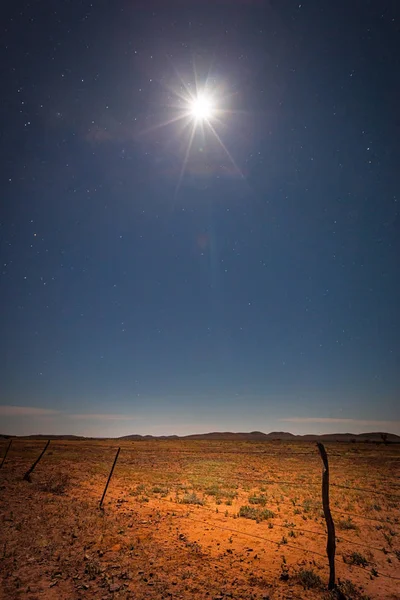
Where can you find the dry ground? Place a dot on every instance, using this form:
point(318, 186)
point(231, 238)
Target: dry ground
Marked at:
point(190, 520)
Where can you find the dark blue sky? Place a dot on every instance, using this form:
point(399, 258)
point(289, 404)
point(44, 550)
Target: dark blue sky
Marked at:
point(260, 293)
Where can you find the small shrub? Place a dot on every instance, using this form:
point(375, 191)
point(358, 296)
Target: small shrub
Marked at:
point(357, 559)
point(158, 489)
point(262, 499)
point(213, 490)
point(346, 524)
point(345, 589)
point(309, 579)
point(56, 484)
point(192, 499)
point(140, 489)
point(257, 514)
point(230, 495)
point(308, 505)
point(220, 494)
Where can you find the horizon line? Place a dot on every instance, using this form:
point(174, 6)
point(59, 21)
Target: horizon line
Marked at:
point(173, 435)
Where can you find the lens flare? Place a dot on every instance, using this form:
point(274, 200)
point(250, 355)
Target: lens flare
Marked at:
point(197, 111)
point(201, 108)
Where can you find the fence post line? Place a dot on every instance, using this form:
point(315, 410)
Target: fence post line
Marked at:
point(5, 455)
point(109, 477)
point(331, 542)
point(29, 471)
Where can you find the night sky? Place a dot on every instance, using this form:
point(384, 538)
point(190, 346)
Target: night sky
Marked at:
point(237, 272)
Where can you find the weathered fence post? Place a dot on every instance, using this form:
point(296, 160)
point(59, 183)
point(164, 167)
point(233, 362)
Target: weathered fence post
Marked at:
point(109, 477)
point(29, 471)
point(331, 543)
point(5, 456)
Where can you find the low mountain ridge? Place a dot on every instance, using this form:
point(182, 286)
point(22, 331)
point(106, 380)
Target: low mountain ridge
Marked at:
point(253, 436)
point(259, 436)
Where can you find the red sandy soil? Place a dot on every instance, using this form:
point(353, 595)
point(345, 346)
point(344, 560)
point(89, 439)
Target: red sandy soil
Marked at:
point(170, 527)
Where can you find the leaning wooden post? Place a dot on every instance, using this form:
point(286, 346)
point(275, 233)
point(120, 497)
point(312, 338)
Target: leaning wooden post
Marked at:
point(5, 456)
point(331, 543)
point(29, 471)
point(109, 477)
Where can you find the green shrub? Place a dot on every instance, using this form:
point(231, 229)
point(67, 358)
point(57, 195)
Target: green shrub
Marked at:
point(346, 524)
point(262, 499)
point(192, 499)
point(158, 489)
point(309, 579)
point(256, 514)
point(357, 559)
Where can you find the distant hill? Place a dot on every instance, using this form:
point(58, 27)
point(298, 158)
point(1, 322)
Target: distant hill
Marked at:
point(259, 436)
point(252, 436)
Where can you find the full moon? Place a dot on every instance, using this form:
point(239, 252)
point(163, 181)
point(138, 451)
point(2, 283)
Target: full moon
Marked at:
point(201, 108)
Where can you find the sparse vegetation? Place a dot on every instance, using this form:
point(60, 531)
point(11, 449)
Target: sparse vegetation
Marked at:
point(56, 484)
point(256, 514)
point(356, 558)
point(346, 524)
point(157, 489)
point(261, 499)
point(156, 519)
point(346, 590)
point(192, 498)
point(309, 579)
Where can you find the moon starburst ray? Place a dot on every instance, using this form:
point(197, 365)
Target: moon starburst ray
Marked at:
point(226, 150)
point(186, 158)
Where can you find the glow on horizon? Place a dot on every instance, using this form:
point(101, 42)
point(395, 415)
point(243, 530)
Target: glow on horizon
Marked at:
point(23, 420)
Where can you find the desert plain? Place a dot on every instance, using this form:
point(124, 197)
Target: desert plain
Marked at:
point(197, 519)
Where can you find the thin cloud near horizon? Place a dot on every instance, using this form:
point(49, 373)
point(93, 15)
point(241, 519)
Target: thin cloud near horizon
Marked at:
point(102, 417)
point(32, 411)
point(338, 420)
point(26, 411)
